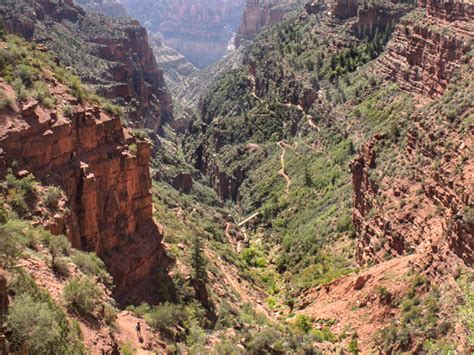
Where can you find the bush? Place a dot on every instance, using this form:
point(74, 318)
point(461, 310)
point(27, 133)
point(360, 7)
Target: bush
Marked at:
point(34, 325)
point(91, 264)
point(21, 192)
point(57, 246)
point(113, 109)
point(82, 294)
point(53, 195)
point(166, 316)
point(303, 323)
point(110, 315)
point(68, 111)
point(3, 214)
point(15, 236)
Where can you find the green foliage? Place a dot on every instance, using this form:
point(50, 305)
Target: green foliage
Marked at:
point(58, 245)
point(37, 323)
point(322, 335)
point(165, 317)
point(53, 195)
point(198, 261)
point(21, 193)
point(82, 294)
point(68, 111)
point(90, 264)
point(253, 257)
point(113, 109)
point(303, 323)
point(15, 236)
point(4, 216)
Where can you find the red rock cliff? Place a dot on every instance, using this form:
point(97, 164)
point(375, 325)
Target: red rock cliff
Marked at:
point(429, 46)
point(105, 174)
point(111, 54)
point(259, 14)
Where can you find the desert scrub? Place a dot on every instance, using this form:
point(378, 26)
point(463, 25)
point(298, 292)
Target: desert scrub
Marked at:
point(113, 109)
point(82, 294)
point(90, 264)
point(53, 195)
point(36, 323)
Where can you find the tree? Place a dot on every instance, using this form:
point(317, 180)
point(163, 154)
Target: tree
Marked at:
point(57, 246)
point(199, 261)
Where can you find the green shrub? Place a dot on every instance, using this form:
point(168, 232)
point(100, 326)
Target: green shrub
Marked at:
point(113, 109)
point(110, 315)
point(58, 245)
point(321, 335)
point(68, 111)
point(35, 311)
point(16, 235)
point(3, 214)
point(166, 316)
point(140, 310)
point(53, 195)
point(42, 94)
point(34, 325)
point(91, 264)
point(303, 323)
point(82, 294)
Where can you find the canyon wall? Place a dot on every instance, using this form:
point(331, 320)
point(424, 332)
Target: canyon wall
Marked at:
point(104, 172)
point(113, 55)
point(201, 30)
point(429, 47)
point(259, 14)
point(427, 210)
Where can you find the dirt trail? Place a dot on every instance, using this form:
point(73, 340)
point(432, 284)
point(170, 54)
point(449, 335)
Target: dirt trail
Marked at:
point(127, 333)
point(251, 78)
point(282, 172)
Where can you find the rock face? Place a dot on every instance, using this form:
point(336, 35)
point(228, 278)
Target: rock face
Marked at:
point(174, 65)
point(107, 183)
point(426, 52)
point(419, 214)
point(113, 55)
point(201, 30)
point(259, 14)
point(343, 9)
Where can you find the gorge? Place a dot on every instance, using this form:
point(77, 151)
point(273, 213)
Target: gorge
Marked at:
point(309, 191)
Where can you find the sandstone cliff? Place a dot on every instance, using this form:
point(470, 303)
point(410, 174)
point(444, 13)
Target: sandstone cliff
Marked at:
point(200, 30)
point(259, 14)
point(113, 55)
point(104, 172)
point(430, 46)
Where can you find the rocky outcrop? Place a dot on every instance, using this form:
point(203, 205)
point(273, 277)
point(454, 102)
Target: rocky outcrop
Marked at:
point(343, 9)
point(415, 214)
point(114, 54)
point(259, 14)
point(201, 30)
point(104, 171)
point(429, 47)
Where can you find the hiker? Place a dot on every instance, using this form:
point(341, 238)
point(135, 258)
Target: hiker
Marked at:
point(139, 332)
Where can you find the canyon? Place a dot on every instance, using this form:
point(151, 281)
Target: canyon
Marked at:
point(309, 191)
point(200, 30)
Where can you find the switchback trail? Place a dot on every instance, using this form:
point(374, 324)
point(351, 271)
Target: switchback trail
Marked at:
point(282, 172)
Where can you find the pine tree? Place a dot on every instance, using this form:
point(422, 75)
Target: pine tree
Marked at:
point(199, 261)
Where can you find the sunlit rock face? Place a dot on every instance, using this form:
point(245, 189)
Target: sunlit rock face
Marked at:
point(201, 30)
